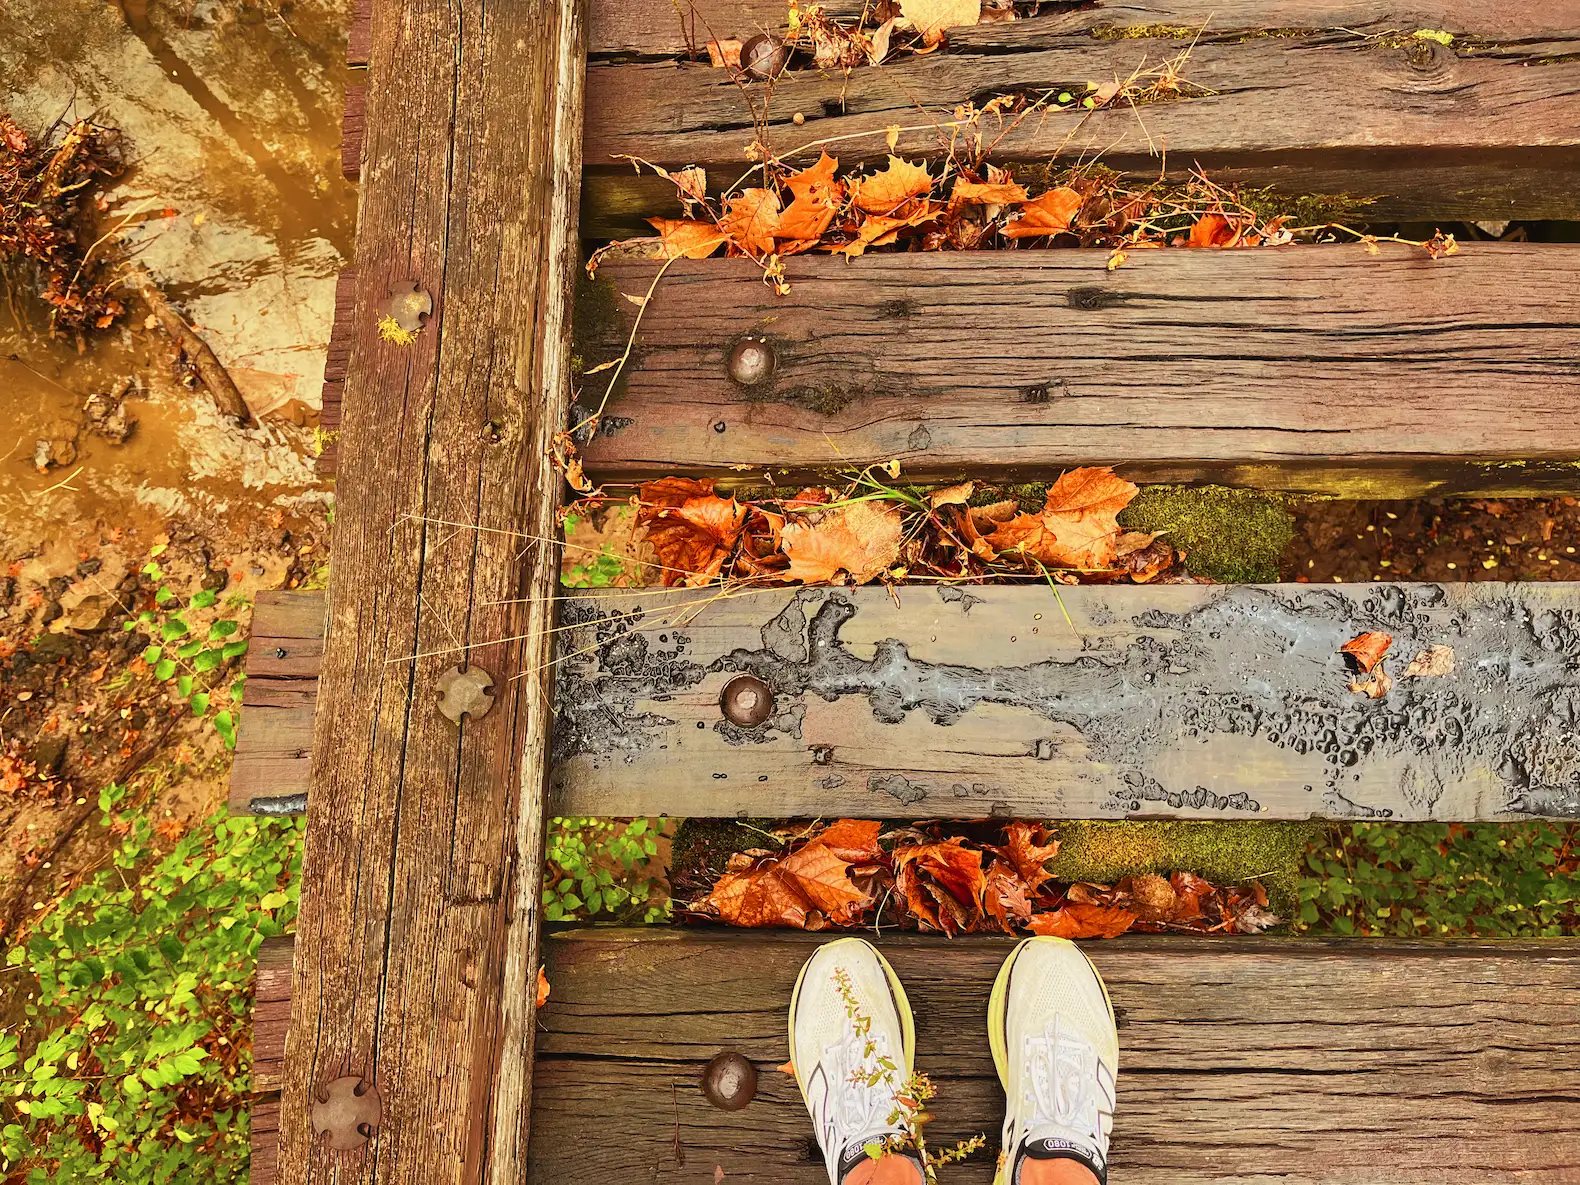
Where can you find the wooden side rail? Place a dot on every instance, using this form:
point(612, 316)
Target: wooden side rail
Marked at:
point(1241, 1059)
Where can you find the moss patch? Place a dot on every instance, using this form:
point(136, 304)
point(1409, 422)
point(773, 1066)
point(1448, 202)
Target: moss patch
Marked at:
point(1224, 852)
point(1304, 209)
point(1231, 536)
point(1139, 32)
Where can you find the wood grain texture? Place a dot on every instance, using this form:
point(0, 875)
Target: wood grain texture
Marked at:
point(270, 771)
point(353, 131)
point(1241, 1059)
point(341, 330)
point(1427, 131)
point(1297, 368)
point(417, 944)
point(1215, 701)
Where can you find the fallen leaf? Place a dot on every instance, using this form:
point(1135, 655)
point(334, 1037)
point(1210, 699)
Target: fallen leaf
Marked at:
point(751, 220)
point(1027, 855)
point(786, 1068)
point(896, 184)
point(976, 193)
point(543, 988)
point(690, 528)
point(1077, 527)
point(1005, 897)
point(853, 840)
point(1083, 921)
point(1047, 214)
point(955, 495)
point(1211, 230)
point(861, 538)
point(1189, 889)
point(1433, 661)
point(933, 18)
point(1154, 897)
point(879, 230)
point(1253, 919)
point(725, 53)
point(942, 884)
point(808, 888)
point(1373, 686)
point(685, 238)
point(1367, 649)
point(817, 197)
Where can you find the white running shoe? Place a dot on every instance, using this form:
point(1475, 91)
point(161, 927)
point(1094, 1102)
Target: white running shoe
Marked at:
point(852, 1044)
point(1056, 1047)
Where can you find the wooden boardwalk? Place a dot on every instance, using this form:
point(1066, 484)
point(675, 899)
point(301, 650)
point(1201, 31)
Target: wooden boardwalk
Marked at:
point(1241, 1059)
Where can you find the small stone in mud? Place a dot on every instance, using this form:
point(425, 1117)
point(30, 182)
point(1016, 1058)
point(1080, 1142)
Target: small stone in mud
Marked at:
point(48, 755)
point(106, 412)
point(55, 449)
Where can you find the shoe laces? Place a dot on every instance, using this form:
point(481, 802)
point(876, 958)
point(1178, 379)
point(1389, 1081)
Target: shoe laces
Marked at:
point(852, 1094)
point(1061, 1088)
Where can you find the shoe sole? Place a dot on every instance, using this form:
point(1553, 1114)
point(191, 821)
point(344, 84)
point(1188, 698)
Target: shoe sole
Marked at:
point(901, 1003)
point(998, 1006)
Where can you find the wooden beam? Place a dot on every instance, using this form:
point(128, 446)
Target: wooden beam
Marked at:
point(417, 945)
point(1325, 369)
point(341, 331)
point(1308, 1062)
point(1307, 96)
point(274, 738)
point(1221, 701)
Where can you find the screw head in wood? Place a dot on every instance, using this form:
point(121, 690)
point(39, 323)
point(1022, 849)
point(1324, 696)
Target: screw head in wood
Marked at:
point(346, 1112)
point(746, 701)
point(408, 305)
point(464, 691)
point(729, 1081)
point(764, 57)
point(751, 362)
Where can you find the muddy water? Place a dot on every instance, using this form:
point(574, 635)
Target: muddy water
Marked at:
point(236, 205)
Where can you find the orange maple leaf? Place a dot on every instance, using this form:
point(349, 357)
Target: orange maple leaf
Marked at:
point(686, 238)
point(751, 220)
point(1047, 214)
point(543, 988)
point(861, 538)
point(898, 183)
point(879, 230)
point(1006, 897)
point(691, 529)
point(1077, 528)
point(1027, 856)
point(800, 889)
point(1083, 921)
point(942, 883)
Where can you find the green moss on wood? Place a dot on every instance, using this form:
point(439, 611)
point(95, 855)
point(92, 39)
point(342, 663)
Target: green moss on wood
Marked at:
point(1224, 852)
point(1231, 536)
point(1145, 32)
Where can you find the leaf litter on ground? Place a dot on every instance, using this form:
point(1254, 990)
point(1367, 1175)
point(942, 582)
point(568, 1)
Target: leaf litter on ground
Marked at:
point(851, 874)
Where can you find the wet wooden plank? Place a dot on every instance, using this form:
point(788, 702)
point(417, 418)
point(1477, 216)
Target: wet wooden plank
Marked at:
point(353, 131)
point(339, 354)
point(270, 771)
point(359, 37)
point(1325, 369)
point(1220, 701)
point(1242, 1059)
point(417, 941)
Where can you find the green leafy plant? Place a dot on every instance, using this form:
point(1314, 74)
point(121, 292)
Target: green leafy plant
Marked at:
point(1433, 880)
point(134, 1059)
point(195, 661)
point(604, 867)
point(598, 571)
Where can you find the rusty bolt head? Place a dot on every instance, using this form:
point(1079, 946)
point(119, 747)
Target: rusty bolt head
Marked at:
point(408, 305)
point(729, 1081)
point(764, 57)
point(346, 1112)
point(746, 701)
point(751, 362)
point(464, 691)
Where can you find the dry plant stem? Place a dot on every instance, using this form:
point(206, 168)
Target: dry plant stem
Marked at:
point(630, 343)
point(209, 368)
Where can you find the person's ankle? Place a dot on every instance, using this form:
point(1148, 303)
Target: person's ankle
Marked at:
point(1056, 1172)
point(892, 1168)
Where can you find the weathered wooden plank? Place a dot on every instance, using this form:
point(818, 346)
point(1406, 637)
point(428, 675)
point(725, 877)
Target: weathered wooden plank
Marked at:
point(1241, 1059)
point(1222, 701)
point(269, 774)
point(421, 878)
point(271, 1013)
point(1317, 368)
point(359, 37)
point(335, 361)
point(353, 131)
point(1424, 129)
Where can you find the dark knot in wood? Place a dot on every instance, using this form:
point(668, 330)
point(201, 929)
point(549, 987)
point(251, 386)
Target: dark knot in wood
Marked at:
point(1092, 297)
point(729, 1081)
point(346, 1112)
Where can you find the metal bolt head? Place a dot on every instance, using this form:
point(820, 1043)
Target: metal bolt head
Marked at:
point(729, 1081)
point(346, 1112)
point(764, 57)
point(751, 362)
point(746, 701)
point(408, 305)
point(464, 691)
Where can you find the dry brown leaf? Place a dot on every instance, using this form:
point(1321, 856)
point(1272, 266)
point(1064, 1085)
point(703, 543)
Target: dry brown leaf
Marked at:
point(861, 538)
point(1155, 899)
point(955, 495)
point(976, 193)
point(1367, 649)
point(543, 988)
point(1373, 686)
point(896, 184)
point(1025, 849)
point(878, 230)
point(690, 528)
point(1435, 661)
point(1005, 897)
point(933, 18)
point(751, 220)
point(853, 840)
point(942, 884)
point(1047, 214)
point(686, 238)
point(725, 53)
point(1077, 527)
point(823, 877)
point(1083, 921)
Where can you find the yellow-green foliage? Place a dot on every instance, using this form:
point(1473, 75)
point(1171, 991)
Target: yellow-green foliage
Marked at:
point(1138, 32)
point(1232, 536)
point(1224, 852)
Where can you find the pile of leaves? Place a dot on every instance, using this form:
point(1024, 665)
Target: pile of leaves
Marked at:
point(872, 531)
point(48, 197)
point(852, 874)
